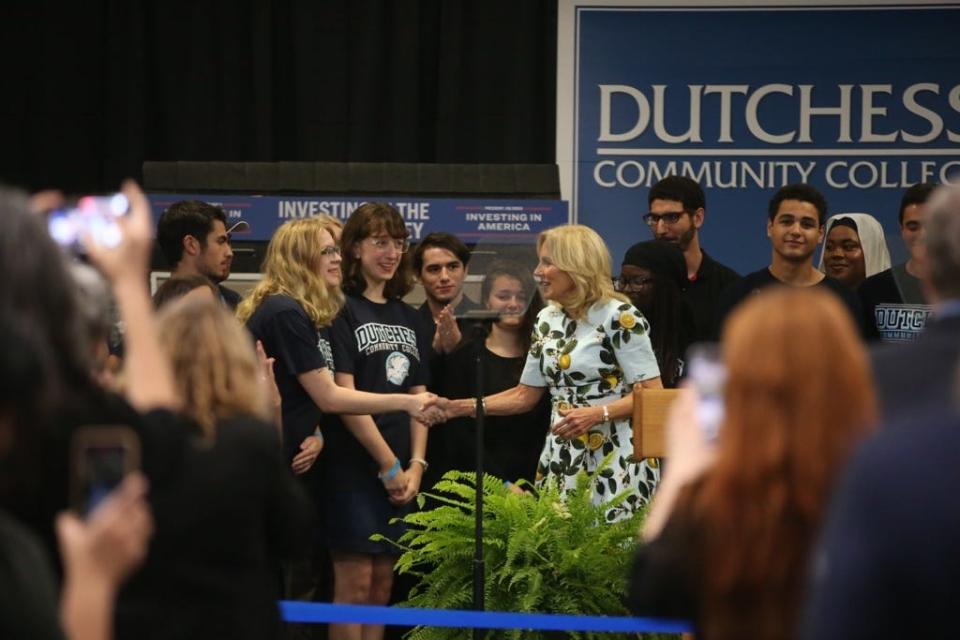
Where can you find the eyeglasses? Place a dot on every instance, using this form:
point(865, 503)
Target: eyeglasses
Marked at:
point(634, 282)
point(382, 244)
point(652, 219)
point(329, 251)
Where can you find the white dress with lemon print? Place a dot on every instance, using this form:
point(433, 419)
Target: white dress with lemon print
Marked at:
point(592, 362)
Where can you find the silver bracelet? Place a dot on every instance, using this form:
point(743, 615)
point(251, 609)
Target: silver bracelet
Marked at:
point(606, 413)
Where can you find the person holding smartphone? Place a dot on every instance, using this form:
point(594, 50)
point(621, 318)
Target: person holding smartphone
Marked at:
point(730, 530)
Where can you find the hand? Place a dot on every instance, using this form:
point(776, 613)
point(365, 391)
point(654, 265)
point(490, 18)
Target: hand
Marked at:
point(687, 449)
point(396, 486)
point(266, 374)
point(447, 336)
point(575, 422)
point(414, 475)
point(421, 407)
point(130, 258)
point(113, 540)
point(433, 412)
point(309, 450)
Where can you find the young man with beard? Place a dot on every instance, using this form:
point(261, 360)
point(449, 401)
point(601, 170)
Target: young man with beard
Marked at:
point(795, 227)
point(677, 208)
point(195, 240)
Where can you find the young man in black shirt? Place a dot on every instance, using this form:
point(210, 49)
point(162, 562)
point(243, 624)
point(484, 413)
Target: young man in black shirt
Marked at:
point(677, 208)
point(796, 217)
point(440, 264)
point(894, 307)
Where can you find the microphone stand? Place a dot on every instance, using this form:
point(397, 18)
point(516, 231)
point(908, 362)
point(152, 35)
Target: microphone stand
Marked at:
point(480, 320)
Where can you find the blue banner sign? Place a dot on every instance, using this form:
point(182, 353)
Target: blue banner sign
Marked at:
point(859, 101)
point(501, 221)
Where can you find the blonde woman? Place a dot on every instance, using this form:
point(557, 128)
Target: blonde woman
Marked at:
point(290, 312)
point(229, 509)
point(590, 345)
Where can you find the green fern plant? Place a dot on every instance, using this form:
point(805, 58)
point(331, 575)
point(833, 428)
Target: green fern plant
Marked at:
point(544, 553)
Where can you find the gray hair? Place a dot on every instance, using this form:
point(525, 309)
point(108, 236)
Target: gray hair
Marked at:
point(94, 301)
point(942, 240)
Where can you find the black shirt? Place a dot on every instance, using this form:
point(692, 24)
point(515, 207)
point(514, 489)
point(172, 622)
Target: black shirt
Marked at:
point(439, 365)
point(753, 282)
point(229, 297)
point(28, 592)
point(893, 306)
point(512, 444)
point(291, 338)
point(703, 294)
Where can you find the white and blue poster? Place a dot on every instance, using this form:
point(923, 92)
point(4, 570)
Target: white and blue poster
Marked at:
point(859, 100)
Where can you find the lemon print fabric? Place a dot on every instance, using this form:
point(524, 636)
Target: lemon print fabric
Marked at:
point(588, 362)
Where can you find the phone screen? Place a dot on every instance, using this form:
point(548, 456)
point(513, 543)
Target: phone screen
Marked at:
point(709, 375)
point(93, 215)
point(101, 457)
point(106, 466)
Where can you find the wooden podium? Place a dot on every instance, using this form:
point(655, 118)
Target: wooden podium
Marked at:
point(650, 408)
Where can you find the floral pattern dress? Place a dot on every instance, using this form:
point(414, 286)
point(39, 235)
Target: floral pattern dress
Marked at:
point(594, 361)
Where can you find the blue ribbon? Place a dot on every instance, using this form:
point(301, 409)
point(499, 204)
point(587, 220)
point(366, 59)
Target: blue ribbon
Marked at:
point(313, 612)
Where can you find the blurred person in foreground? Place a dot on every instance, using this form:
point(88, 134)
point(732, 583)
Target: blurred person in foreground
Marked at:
point(731, 528)
point(589, 347)
point(213, 568)
point(39, 292)
point(98, 551)
point(39, 297)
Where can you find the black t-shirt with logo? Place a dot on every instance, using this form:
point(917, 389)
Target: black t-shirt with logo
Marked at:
point(894, 309)
point(298, 346)
point(386, 347)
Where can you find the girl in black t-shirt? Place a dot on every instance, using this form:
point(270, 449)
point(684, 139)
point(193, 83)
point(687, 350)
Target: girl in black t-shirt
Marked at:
point(376, 464)
point(290, 312)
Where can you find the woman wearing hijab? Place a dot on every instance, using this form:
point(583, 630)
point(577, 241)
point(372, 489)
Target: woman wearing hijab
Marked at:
point(854, 248)
point(652, 276)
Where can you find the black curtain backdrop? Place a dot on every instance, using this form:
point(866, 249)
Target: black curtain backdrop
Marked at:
point(90, 90)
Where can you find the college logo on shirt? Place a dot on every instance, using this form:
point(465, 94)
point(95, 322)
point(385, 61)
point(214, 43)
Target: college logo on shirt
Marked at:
point(901, 322)
point(373, 336)
point(323, 345)
point(398, 366)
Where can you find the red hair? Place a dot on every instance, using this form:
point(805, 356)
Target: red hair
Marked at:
point(799, 396)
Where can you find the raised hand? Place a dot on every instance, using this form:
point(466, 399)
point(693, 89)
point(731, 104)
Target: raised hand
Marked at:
point(448, 335)
point(131, 257)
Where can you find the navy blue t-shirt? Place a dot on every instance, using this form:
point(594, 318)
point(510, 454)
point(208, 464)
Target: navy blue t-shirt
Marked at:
point(298, 346)
point(386, 348)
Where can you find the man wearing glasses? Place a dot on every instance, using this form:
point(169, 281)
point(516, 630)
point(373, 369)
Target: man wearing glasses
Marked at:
point(676, 213)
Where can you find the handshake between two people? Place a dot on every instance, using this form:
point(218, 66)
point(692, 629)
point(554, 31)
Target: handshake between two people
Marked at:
point(436, 409)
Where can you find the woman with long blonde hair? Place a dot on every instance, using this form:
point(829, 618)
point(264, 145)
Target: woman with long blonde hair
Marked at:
point(590, 346)
point(290, 312)
point(229, 509)
point(730, 531)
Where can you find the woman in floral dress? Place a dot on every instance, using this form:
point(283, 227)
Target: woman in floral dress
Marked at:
point(590, 345)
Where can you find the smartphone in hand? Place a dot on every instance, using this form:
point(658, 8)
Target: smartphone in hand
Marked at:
point(705, 369)
point(100, 458)
point(95, 216)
